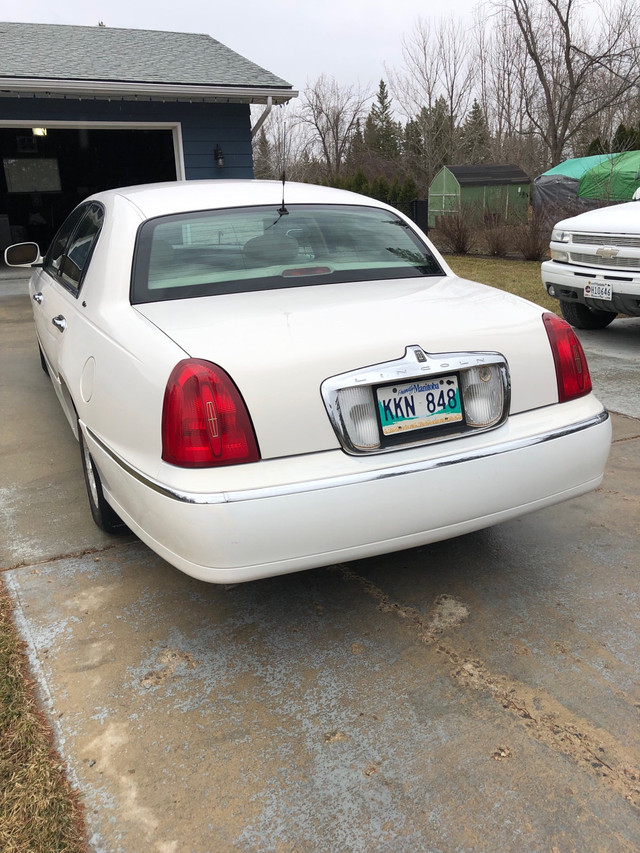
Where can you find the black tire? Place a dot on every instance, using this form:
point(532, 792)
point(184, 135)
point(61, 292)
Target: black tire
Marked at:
point(43, 362)
point(103, 514)
point(582, 317)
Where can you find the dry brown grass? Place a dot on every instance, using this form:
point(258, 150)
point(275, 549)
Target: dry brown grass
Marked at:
point(519, 277)
point(39, 811)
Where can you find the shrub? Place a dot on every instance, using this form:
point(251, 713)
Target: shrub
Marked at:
point(457, 231)
point(532, 239)
point(497, 235)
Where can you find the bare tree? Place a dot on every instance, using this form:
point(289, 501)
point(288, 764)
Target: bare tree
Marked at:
point(501, 53)
point(283, 145)
point(503, 72)
point(437, 64)
point(549, 77)
point(574, 71)
point(331, 114)
point(434, 90)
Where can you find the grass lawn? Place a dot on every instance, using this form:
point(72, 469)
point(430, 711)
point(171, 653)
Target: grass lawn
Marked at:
point(39, 813)
point(520, 277)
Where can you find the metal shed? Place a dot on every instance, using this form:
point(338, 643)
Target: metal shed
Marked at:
point(89, 108)
point(490, 190)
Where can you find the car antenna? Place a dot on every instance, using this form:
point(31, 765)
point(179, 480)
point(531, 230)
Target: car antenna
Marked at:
point(282, 211)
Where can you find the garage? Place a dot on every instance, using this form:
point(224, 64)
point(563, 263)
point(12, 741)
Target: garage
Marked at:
point(92, 108)
point(45, 175)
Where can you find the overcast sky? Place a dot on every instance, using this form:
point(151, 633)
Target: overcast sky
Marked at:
point(298, 40)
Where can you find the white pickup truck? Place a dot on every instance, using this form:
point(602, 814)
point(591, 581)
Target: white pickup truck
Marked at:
point(595, 265)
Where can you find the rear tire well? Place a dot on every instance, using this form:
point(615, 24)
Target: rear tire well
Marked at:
point(103, 514)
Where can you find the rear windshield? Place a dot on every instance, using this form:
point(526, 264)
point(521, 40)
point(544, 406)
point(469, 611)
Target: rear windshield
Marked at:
point(260, 248)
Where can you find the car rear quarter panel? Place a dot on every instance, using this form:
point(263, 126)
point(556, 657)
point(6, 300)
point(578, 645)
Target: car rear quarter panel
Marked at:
point(115, 362)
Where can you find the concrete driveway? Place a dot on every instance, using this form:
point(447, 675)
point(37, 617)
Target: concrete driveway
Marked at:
point(480, 694)
point(614, 362)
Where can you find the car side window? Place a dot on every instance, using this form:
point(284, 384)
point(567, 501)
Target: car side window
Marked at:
point(69, 254)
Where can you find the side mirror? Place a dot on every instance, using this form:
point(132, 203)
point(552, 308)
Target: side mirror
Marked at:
point(22, 255)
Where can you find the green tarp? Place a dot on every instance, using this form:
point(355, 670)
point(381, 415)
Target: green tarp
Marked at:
point(615, 179)
point(577, 167)
point(587, 182)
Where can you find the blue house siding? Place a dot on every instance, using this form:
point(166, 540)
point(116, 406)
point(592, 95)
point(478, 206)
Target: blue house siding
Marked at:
point(204, 126)
point(227, 126)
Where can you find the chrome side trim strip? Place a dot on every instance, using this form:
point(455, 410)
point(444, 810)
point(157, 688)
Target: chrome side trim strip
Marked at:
point(347, 480)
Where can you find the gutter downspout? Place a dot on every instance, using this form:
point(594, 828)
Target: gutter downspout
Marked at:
point(263, 118)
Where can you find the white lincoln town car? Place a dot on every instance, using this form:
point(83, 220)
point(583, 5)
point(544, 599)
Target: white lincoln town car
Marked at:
point(267, 377)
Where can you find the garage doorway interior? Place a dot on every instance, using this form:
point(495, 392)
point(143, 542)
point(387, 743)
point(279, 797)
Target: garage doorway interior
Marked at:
point(45, 176)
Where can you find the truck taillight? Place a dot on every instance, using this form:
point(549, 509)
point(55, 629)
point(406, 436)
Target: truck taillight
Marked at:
point(572, 371)
point(205, 422)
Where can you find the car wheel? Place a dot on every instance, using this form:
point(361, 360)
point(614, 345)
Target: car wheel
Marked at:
point(582, 317)
point(103, 514)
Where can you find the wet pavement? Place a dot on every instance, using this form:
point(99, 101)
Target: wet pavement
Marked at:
point(480, 694)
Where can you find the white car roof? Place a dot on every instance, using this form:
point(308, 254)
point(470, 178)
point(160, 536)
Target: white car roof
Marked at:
point(180, 196)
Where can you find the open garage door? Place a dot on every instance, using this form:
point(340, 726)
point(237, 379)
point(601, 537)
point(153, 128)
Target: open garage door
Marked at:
point(43, 177)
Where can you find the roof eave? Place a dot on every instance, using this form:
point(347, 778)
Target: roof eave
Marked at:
point(174, 91)
point(494, 182)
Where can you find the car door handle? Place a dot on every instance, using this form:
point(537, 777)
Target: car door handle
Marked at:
point(38, 297)
point(60, 323)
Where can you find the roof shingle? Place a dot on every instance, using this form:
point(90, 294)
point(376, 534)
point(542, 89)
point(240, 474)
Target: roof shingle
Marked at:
point(61, 52)
point(488, 173)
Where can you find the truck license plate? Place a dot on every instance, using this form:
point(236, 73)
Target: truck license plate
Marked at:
point(420, 404)
point(598, 291)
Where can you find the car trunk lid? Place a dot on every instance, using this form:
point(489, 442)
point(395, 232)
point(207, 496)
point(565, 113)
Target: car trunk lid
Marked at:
point(280, 345)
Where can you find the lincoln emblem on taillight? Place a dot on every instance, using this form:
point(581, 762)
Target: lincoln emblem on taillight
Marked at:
point(212, 419)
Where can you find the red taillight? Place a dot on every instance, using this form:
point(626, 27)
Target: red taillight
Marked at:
point(204, 419)
point(572, 371)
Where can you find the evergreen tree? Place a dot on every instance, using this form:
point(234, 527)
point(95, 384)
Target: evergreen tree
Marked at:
point(262, 157)
point(431, 141)
point(598, 146)
point(442, 133)
point(476, 138)
point(360, 184)
point(382, 133)
point(380, 189)
point(407, 192)
point(356, 152)
point(625, 139)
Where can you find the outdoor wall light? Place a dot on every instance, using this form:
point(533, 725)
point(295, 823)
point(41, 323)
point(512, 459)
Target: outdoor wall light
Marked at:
point(39, 131)
point(219, 157)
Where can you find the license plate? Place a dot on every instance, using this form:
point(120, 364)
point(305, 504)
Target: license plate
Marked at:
point(420, 404)
point(598, 291)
